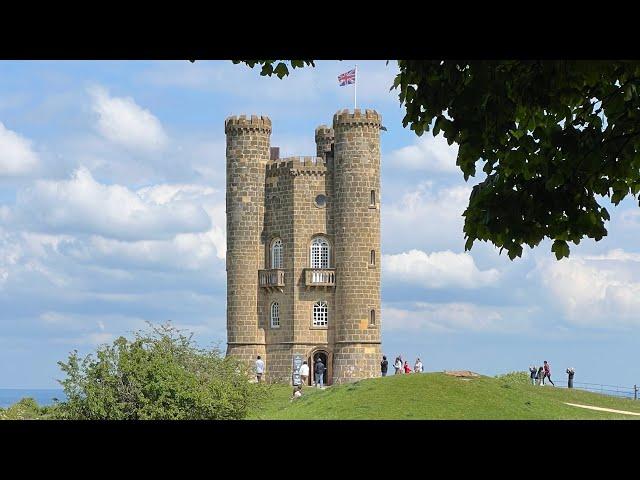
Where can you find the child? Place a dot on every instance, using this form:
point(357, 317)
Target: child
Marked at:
point(407, 369)
point(297, 392)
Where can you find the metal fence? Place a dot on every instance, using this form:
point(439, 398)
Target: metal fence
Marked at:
point(613, 390)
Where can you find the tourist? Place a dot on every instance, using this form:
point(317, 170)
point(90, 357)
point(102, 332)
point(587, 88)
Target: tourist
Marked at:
point(259, 369)
point(319, 371)
point(418, 366)
point(534, 374)
point(540, 377)
point(547, 372)
point(407, 369)
point(384, 365)
point(304, 373)
point(398, 365)
point(571, 372)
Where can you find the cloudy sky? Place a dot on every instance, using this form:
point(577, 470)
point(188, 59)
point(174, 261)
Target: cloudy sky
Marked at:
point(112, 178)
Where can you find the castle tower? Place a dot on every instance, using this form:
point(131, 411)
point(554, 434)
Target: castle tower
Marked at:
point(357, 226)
point(303, 249)
point(247, 156)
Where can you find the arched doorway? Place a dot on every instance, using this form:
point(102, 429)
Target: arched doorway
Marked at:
point(327, 359)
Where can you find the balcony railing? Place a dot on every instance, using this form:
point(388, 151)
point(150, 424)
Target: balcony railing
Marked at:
point(273, 278)
point(320, 277)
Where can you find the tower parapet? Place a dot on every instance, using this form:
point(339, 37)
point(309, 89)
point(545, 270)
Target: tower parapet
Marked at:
point(324, 140)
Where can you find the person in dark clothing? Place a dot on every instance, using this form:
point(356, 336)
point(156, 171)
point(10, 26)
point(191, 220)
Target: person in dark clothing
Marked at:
point(571, 372)
point(384, 365)
point(534, 374)
point(319, 371)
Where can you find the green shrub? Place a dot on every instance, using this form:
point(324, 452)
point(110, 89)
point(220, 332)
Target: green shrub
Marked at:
point(160, 374)
point(24, 409)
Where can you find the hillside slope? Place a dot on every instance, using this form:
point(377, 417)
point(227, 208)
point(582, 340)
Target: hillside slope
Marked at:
point(439, 396)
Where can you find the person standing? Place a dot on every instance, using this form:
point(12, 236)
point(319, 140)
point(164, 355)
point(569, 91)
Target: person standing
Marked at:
point(540, 377)
point(398, 365)
point(418, 366)
point(571, 372)
point(319, 371)
point(547, 372)
point(259, 368)
point(384, 365)
point(304, 373)
point(534, 374)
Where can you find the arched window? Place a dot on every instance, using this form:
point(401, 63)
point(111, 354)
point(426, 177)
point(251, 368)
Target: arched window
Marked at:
point(276, 253)
point(320, 314)
point(372, 202)
point(320, 253)
point(372, 317)
point(372, 258)
point(275, 315)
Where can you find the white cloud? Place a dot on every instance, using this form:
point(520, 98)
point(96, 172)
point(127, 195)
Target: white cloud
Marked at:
point(428, 153)
point(123, 122)
point(426, 217)
point(437, 270)
point(596, 290)
point(83, 205)
point(456, 317)
point(16, 154)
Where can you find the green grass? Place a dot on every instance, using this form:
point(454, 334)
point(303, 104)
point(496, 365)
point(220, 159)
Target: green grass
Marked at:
point(439, 396)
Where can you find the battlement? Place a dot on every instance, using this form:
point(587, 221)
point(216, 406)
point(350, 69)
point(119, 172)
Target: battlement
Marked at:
point(254, 123)
point(357, 117)
point(296, 165)
point(323, 132)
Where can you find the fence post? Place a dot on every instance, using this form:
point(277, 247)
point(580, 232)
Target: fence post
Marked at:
point(635, 392)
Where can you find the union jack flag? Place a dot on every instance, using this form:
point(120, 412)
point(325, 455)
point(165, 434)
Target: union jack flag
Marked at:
point(347, 78)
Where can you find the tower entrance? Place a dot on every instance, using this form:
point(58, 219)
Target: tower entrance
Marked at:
point(327, 359)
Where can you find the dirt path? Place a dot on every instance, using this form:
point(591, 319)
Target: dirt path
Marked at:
point(624, 412)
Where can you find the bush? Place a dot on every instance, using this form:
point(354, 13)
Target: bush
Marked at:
point(24, 409)
point(160, 374)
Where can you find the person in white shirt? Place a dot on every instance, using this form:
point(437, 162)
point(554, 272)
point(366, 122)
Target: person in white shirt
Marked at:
point(259, 369)
point(398, 365)
point(304, 373)
point(418, 366)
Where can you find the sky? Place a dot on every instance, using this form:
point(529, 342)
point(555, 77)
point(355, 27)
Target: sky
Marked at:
point(112, 214)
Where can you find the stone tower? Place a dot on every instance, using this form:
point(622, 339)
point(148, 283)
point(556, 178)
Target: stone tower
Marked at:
point(303, 248)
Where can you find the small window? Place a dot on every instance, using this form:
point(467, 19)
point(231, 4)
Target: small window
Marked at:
point(372, 258)
point(320, 314)
point(372, 317)
point(275, 315)
point(320, 253)
point(372, 201)
point(276, 254)
point(321, 201)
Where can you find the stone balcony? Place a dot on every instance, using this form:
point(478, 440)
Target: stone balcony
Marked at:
point(273, 278)
point(320, 277)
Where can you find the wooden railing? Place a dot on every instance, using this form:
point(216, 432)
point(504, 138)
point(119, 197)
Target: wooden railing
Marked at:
point(271, 278)
point(320, 277)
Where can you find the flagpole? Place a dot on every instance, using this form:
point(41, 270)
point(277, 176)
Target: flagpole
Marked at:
point(355, 90)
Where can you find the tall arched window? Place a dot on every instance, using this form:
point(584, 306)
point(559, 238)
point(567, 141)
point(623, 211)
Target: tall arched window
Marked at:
point(320, 253)
point(372, 259)
point(320, 314)
point(276, 253)
point(372, 317)
point(275, 315)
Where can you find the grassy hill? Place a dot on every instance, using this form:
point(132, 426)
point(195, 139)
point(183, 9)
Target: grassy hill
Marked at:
point(439, 396)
